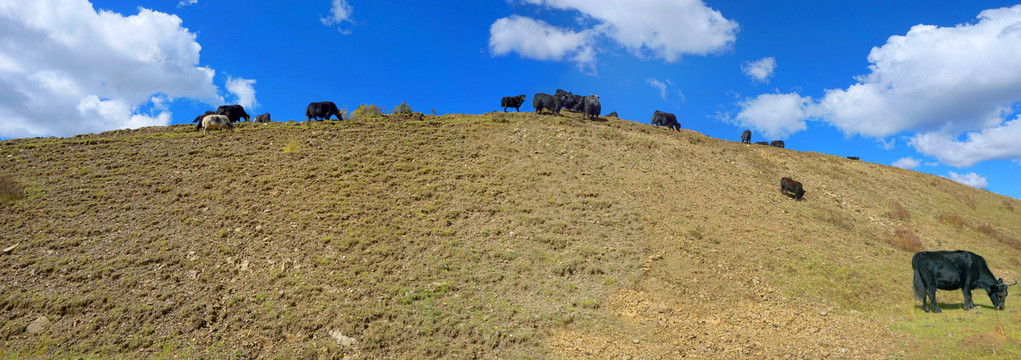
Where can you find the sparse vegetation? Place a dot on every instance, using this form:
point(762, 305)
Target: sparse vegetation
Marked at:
point(10, 190)
point(366, 111)
point(402, 109)
point(490, 236)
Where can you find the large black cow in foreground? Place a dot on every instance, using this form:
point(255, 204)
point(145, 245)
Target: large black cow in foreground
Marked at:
point(233, 112)
point(660, 118)
point(322, 110)
point(952, 270)
point(512, 101)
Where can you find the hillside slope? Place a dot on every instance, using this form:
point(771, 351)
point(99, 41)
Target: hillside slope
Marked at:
point(494, 235)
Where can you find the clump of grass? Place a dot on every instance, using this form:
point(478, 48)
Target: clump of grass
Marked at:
point(366, 110)
point(291, 147)
point(402, 109)
point(836, 218)
point(999, 236)
point(10, 190)
point(1008, 205)
point(952, 220)
point(906, 240)
point(898, 212)
point(967, 200)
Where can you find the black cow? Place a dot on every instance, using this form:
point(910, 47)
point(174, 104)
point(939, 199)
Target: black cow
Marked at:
point(233, 112)
point(592, 106)
point(854, 158)
point(762, 143)
point(613, 114)
point(777, 143)
point(198, 119)
point(322, 110)
point(264, 118)
point(512, 101)
point(543, 101)
point(746, 137)
point(788, 185)
point(571, 101)
point(660, 118)
point(952, 270)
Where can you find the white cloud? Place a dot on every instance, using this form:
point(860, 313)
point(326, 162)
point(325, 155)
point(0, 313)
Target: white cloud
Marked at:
point(67, 69)
point(1001, 142)
point(184, 3)
point(775, 115)
point(340, 11)
point(243, 90)
point(658, 85)
point(970, 179)
point(907, 163)
point(664, 29)
point(540, 41)
point(760, 70)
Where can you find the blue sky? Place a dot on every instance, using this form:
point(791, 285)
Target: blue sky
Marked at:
point(932, 87)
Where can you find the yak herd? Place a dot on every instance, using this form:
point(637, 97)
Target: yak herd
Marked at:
point(943, 270)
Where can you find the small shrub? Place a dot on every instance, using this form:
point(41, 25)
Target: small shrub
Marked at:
point(999, 236)
point(10, 190)
point(951, 219)
point(291, 147)
point(968, 200)
point(366, 110)
point(898, 212)
point(402, 109)
point(906, 240)
point(836, 218)
point(1009, 205)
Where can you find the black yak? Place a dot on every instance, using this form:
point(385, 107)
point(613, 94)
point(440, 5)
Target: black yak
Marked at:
point(233, 112)
point(512, 101)
point(777, 143)
point(613, 114)
point(199, 118)
point(952, 270)
point(854, 158)
point(322, 110)
point(263, 118)
point(788, 185)
point(543, 101)
point(746, 137)
point(592, 106)
point(660, 118)
point(762, 143)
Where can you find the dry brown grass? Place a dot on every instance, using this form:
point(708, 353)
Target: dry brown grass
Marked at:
point(951, 219)
point(898, 212)
point(10, 190)
point(836, 218)
point(905, 239)
point(999, 236)
point(1007, 204)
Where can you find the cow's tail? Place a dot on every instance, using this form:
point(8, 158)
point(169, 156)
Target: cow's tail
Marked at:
point(919, 286)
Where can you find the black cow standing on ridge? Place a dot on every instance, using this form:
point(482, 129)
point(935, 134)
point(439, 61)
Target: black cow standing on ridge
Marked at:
point(199, 118)
point(322, 110)
point(952, 270)
point(746, 137)
point(512, 101)
point(592, 106)
point(543, 101)
point(660, 118)
point(233, 112)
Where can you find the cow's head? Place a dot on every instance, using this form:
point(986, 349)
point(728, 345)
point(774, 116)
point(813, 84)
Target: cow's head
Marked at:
point(998, 293)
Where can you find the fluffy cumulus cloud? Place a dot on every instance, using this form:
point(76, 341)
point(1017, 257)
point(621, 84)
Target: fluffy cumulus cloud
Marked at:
point(760, 70)
point(535, 39)
point(907, 163)
point(663, 29)
point(775, 115)
point(243, 90)
point(67, 69)
point(340, 11)
point(939, 83)
point(970, 179)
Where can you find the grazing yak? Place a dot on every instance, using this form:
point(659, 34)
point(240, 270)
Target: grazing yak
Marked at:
point(264, 118)
point(854, 158)
point(322, 110)
point(512, 101)
point(746, 137)
point(199, 118)
point(660, 118)
point(952, 270)
point(762, 143)
point(543, 101)
point(571, 101)
point(777, 143)
point(788, 185)
point(233, 112)
point(221, 122)
point(592, 106)
point(613, 114)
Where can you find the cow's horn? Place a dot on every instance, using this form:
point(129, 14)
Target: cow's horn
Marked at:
point(1015, 283)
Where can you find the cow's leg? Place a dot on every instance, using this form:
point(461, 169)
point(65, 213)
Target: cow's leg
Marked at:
point(968, 304)
point(932, 296)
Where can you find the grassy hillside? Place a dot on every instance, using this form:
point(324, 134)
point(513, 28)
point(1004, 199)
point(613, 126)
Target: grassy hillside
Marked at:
point(495, 235)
